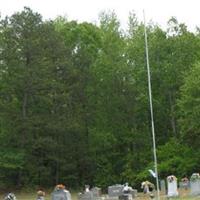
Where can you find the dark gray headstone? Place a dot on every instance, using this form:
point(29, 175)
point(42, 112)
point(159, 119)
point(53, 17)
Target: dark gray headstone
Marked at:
point(115, 190)
point(86, 196)
point(60, 195)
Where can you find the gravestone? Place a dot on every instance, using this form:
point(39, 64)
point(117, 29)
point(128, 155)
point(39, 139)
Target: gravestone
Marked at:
point(115, 190)
point(172, 186)
point(61, 195)
point(93, 194)
point(163, 186)
point(96, 192)
point(86, 196)
point(184, 183)
point(195, 184)
point(134, 193)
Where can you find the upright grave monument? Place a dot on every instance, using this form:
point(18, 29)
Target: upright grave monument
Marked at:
point(86, 196)
point(115, 191)
point(96, 191)
point(60, 193)
point(195, 184)
point(93, 194)
point(127, 192)
point(184, 183)
point(163, 186)
point(172, 190)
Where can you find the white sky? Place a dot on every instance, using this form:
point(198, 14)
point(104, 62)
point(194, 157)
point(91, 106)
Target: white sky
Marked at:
point(159, 11)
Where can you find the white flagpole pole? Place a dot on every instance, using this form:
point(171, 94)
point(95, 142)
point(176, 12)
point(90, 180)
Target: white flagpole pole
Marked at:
point(151, 108)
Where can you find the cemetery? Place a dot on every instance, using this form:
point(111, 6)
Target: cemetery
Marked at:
point(170, 188)
point(79, 99)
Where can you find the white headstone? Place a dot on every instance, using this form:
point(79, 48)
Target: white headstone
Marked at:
point(195, 184)
point(172, 186)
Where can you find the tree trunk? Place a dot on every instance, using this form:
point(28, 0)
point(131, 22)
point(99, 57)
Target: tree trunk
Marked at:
point(57, 172)
point(24, 106)
point(172, 111)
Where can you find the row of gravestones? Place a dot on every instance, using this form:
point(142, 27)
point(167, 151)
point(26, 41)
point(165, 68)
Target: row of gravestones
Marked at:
point(114, 192)
point(93, 194)
point(117, 191)
point(172, 186)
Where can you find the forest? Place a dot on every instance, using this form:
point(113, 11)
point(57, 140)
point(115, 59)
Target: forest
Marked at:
point(74, 105)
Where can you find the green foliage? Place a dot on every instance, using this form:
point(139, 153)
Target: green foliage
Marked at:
point(74, 101)
point(190, 107)
point(175, 158)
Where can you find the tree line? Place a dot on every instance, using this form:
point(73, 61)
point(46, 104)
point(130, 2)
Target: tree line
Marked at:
point(74, 102)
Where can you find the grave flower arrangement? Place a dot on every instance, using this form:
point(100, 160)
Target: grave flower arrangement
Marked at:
point(195, 177)
point(171, 178)
point(10, 196)
point(40, 193)
point(60, 187)
point(185, 179)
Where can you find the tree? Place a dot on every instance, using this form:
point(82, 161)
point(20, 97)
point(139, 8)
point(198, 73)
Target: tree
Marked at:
point(189, 107)
point(175, 158)
point(31, 53)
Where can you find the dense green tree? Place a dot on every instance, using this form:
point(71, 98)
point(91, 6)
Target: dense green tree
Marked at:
point(175, 158)
point(74, 101)
point(189, 107)
point(31, 53)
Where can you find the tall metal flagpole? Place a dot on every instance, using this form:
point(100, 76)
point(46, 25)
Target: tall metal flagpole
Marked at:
point(151, 109)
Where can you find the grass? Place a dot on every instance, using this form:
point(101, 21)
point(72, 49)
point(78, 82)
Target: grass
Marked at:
point(32, 196)
point(183, 195)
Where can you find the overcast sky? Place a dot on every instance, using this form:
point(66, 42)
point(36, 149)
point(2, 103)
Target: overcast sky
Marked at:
point(187, 11)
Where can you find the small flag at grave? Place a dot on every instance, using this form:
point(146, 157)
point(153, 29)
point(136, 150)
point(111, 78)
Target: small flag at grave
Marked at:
point(152, 173)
